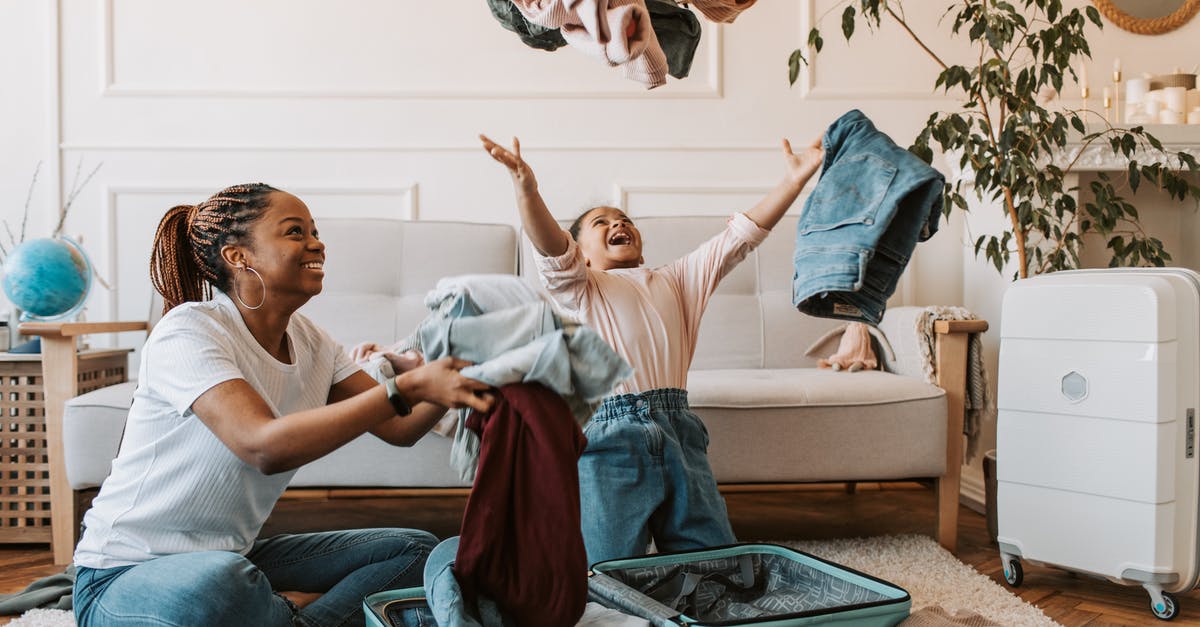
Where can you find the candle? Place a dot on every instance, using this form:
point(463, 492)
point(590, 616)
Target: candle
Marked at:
point(1117, 70)
point(1175, 98)
point(1083, 77)
point(1107, 97)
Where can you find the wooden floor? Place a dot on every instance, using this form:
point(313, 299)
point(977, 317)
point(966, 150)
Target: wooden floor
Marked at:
point(807, 514)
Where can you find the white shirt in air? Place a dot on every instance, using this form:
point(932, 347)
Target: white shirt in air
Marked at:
point(175, 487)
point(650, 316)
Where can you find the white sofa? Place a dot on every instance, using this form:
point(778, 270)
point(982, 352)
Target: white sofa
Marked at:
point(772, 416)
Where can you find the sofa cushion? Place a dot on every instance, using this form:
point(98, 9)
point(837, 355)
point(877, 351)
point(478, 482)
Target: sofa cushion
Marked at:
point(93, 424)
point(380, 297)
point(761, 422)
point(368, 462)
point(92, 428)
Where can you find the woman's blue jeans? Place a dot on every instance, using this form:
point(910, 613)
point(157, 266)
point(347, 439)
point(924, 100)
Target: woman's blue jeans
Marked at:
point(225, 588)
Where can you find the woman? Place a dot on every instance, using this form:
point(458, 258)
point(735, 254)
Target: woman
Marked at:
point(235, 392)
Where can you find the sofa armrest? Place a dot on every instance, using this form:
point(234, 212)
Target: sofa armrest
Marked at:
point(913, 333)
point(931, 344)
point(899, 326)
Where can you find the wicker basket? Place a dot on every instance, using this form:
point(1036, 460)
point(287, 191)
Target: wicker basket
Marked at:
point(24, 465)
point(1186, 81)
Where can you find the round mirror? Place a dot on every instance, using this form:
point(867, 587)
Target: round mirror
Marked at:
point(1148, 17)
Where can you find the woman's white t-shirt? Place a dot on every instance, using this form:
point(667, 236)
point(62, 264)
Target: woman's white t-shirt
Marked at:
point(175, 487)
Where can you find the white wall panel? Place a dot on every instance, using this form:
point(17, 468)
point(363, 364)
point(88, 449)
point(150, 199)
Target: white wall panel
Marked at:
point(698, 198)
point(281, 48)
point(884, 64)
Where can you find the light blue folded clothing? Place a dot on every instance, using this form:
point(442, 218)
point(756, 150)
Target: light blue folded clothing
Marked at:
point(513, 334)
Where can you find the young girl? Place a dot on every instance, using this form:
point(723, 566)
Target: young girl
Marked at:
point(235, 392)
point(645, 473)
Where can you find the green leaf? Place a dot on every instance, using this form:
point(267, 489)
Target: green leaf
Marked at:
point(1135, 176)
point(848, 22)
point(794, 65)
point(814, 39)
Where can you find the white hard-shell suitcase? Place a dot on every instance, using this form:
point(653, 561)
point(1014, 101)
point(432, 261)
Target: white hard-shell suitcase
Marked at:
point(1099, 383)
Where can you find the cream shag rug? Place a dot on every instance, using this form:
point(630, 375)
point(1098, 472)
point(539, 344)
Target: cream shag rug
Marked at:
point(932, 576)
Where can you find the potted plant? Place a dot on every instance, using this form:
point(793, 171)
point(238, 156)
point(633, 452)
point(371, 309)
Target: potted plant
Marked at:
point(1012, 148)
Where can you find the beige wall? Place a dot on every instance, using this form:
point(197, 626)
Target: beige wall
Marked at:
point(371, 108)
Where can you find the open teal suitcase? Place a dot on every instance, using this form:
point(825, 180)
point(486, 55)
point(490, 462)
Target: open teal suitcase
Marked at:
point(765, 585)
point(382, 608)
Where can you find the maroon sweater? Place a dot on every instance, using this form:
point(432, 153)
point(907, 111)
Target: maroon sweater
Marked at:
point(521, 543)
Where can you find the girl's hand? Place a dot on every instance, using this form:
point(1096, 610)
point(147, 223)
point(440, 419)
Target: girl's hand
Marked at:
point(362, 352)
point(802, 165)
point(440, 382)
point(403, 362)
point(522, 174)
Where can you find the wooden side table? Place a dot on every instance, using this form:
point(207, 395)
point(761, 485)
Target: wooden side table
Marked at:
point(67, 373)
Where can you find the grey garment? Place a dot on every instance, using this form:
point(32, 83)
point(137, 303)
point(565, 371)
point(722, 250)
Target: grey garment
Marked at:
point(677, 30)
point(534, 36)
point(512, 334)
point(530, 344)
point(524, 344)
point(53, 592)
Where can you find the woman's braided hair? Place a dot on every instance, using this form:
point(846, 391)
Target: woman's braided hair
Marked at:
point(186, 263)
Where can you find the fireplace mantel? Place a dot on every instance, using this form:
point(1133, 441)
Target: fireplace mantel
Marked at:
point(1098, 156)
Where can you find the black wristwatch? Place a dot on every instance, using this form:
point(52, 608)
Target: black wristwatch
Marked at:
point(398, 403)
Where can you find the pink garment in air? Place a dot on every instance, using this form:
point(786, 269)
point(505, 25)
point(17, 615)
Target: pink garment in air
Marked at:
point(618, 32)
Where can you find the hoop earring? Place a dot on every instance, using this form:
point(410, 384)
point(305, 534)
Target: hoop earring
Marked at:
point(238, 294)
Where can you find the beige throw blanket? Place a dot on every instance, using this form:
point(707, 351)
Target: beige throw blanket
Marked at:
point(978, 396)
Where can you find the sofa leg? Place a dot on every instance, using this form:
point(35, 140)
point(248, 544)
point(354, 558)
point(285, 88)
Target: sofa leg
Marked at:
point(851, 487)
point(947, 511)
point(951, 377)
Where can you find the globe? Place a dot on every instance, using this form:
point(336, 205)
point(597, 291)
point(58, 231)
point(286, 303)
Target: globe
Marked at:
point(48, 278)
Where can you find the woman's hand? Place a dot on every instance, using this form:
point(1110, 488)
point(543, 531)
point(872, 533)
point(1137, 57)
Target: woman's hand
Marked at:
point(802, 165)
point(522, 174)
point(440, 382)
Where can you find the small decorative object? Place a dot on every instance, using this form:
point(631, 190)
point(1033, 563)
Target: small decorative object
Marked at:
point(1148, 18)
point(1107, 103)
point(1084, 90)
point(1117, 82)
point(47, 278)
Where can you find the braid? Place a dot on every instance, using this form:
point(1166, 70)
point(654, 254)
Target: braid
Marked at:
point(171, 270)
point(186, 261)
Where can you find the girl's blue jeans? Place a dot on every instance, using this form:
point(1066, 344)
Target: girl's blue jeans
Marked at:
point(645, 474)
point(225, 588)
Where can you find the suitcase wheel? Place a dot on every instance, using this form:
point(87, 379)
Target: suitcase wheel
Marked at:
point(1168, 609)
point(1013, 573)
